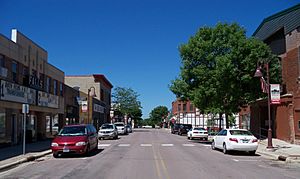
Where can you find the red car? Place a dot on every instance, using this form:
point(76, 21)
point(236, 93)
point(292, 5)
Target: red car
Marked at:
point(75, 139)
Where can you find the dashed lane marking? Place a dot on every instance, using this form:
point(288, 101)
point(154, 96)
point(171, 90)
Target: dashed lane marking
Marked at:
point(104, 145)
point(167, 145)
point(124, 145)
point(146, 145)
point(188, 145)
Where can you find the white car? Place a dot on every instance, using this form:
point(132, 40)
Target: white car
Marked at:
point(108, 131)
point(235, 139)
point(197, 133)
point(121, 128)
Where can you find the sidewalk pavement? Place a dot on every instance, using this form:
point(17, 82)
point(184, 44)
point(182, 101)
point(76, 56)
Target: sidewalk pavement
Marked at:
point(290, 153)
point(13, 155)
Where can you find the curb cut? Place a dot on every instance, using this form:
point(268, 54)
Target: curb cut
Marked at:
point(23, 160)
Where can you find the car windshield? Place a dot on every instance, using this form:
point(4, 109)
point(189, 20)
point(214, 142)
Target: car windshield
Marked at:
point(107, 127)
point(199, 129)
point(239, 132)
point(73, 131)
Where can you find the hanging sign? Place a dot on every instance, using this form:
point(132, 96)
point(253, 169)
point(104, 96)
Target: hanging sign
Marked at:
point(84, 106)
point(275, 93)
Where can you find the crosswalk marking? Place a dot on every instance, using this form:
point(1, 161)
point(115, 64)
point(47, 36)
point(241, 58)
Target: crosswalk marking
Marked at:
point(167, 145)
point(124, 145)
point(188, 145)
point(104, 145)
point(146, 145)
point(207, 145)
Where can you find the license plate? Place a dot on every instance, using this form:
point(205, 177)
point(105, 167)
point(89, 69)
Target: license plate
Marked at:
point(245, 141)
point(66, 150)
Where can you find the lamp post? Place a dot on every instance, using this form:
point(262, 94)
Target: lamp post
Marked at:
point(259, 74)
point(88, 101)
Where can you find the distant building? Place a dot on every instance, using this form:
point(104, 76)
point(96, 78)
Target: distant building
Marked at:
point(26, 77)
point(98, 108)
point(71, 115)
point(184, 112)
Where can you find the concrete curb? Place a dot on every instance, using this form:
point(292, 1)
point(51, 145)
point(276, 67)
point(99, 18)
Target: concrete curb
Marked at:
point(25, 159)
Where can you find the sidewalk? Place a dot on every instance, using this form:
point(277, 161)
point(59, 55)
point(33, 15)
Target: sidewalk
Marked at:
point(284, 151)
point(12, 156)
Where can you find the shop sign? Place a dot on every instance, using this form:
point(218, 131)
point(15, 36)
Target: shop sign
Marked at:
point(17, 93)
point(47, 100)
point(35, 82)
point(84, 106)
point(275, 93)
point(98, 108)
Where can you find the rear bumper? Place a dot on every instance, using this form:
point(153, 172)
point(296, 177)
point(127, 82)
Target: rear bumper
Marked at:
point(242, 147)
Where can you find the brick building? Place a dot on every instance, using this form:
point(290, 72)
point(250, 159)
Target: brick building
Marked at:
point(26, 77)
point(281, 32)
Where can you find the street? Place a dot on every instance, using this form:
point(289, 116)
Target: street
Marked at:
point(154, 153)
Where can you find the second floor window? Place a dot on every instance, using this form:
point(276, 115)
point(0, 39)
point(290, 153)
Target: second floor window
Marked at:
point(184, 107)
point(48, 84)
point(14, 71)
point(61, 89)
point(2, 64)
point(102, 95)
point(179, 107)
point(191, 107)
point(55, 87)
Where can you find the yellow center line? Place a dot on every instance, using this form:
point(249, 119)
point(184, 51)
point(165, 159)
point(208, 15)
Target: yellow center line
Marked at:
point(163, 165)
point(156, 164)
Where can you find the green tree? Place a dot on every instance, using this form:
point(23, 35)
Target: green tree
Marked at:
point(218, 64)
point(127, 103)
point(158, 114)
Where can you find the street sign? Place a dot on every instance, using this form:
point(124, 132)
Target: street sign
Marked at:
point(25, 108)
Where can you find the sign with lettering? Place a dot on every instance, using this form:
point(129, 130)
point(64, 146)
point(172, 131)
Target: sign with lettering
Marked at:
point(84, 106)
point(275, 93)
point(17, 93)
point(98, 108)
point(47, 100)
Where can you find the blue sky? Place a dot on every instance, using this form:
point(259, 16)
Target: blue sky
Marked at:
point(134, 43)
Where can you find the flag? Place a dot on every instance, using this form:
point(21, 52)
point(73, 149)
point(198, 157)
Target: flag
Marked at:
point(264, 85)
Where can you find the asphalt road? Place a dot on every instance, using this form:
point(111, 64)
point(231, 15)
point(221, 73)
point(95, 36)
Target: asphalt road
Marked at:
point(154, 154)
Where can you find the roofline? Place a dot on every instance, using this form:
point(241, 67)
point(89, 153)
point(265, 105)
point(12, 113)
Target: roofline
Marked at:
point(101, 76)
point(274, 16)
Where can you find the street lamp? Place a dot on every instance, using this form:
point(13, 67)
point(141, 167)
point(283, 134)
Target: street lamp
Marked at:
point(259, 74)
point(88, 101)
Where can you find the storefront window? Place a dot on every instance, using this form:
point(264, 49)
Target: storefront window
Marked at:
point(2, 125)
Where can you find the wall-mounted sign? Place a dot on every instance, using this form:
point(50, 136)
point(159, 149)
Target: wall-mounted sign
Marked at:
point(84, 106)
point(17, 93)
point(47, 100)
point(98, 108)
point(275, 93)
point(35, 82)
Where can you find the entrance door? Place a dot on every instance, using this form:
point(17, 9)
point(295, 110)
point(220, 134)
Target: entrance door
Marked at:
point(14, 128)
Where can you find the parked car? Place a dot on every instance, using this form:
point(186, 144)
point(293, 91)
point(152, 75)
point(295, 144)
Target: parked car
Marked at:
point(197, 133)
point(75, 139)
point(175, 128)
point(129, 128)
point(108, 131)
point(235, 139)
point(184, 128)
point(121, 128)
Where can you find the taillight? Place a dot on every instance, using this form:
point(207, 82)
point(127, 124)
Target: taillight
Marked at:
point(233, 140)
point(254, 140)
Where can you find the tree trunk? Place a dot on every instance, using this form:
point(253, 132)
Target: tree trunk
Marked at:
point(227, 122)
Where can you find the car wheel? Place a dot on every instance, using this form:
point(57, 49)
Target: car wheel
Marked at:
point(55, 155)
point(252, 152)
point(225, 151)
point(213, 145)
point(87, 150)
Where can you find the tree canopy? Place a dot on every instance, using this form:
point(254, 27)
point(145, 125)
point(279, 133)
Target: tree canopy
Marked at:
point(126, 101)
point(158, 114)
point(218, 64)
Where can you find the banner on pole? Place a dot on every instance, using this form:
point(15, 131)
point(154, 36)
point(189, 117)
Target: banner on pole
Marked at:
point(275, 93)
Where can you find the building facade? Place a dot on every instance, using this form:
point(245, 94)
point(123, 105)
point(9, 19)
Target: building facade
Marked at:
point(281, 32)
point(26, 77)
point(71, 115)
point(95, 110)
point(184, 112)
